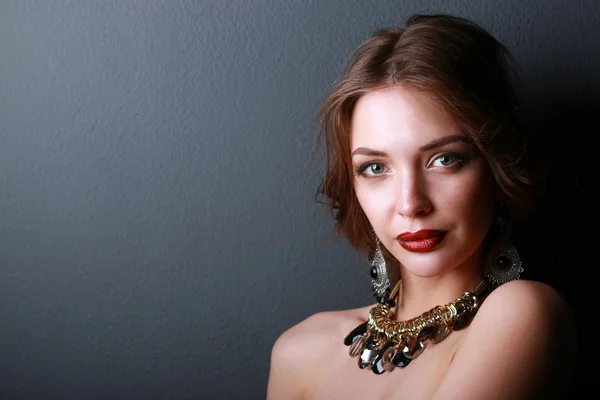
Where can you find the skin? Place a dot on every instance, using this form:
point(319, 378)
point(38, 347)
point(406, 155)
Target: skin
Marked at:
point(411, 174)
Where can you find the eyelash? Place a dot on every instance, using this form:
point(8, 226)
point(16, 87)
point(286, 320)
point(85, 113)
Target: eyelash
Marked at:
point(460, 160)
point(360, 171)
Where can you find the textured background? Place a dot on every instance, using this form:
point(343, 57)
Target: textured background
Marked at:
point(158, 229)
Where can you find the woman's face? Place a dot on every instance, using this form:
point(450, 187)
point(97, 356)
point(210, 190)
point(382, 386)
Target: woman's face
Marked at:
point(428, 194)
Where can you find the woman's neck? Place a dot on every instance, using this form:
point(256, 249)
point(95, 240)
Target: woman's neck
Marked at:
point(418, 294)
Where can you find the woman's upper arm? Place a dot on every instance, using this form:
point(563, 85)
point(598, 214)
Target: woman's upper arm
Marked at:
point(521, 345)
point(282, 369)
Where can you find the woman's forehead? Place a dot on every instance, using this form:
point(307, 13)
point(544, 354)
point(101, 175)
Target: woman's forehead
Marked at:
point(395, 115)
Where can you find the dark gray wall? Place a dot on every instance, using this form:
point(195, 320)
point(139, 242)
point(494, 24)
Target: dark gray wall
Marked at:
point(157, 223)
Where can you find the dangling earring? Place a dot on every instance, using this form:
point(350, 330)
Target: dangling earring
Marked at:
point(505, 264)
point(379, 276)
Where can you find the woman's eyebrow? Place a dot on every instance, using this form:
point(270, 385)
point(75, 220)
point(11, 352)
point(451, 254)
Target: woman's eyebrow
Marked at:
point(368, 152)
point(429, 146)
point(444, 140)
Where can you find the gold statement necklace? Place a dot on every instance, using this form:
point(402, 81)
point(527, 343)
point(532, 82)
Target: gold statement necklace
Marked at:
point(382, 343)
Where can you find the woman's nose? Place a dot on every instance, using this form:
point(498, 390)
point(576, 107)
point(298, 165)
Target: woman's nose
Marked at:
point(412, 196)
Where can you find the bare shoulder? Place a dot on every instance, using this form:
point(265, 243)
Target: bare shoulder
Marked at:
point(527, 296)
point(319, 332)
point(298, 353)
point(523, 333)
point(527, 308)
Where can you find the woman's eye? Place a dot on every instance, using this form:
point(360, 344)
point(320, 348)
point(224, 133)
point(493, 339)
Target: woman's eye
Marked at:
point(448, 160)
point(371, 169)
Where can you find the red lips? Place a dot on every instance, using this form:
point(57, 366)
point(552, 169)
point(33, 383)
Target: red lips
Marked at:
point(421, 241)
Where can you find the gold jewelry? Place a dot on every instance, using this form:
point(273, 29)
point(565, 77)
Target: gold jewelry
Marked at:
point(384, 343)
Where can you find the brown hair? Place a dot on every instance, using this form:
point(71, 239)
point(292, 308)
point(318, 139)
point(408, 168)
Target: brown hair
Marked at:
point(465, 70)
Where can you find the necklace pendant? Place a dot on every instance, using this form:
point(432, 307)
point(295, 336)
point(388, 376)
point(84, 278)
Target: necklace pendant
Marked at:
point(388, 356)
point(440, 333)
point(378, 365)
point(413, 348)
point(356, 333)
point(368, 353)
point(400, 360)
point(358, 345)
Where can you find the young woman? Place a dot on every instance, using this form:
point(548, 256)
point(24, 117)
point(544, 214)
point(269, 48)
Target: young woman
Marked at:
point(427, 174)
